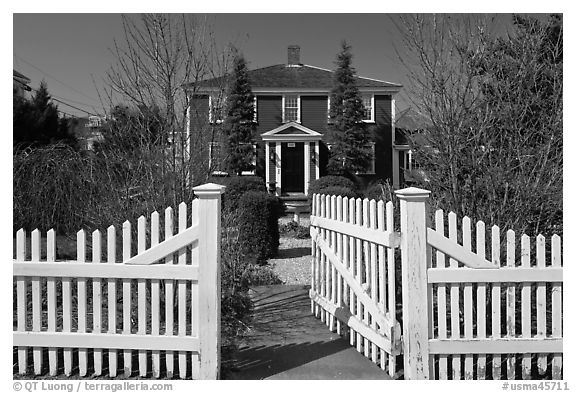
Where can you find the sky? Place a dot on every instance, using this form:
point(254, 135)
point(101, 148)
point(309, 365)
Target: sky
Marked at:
point(71, 52)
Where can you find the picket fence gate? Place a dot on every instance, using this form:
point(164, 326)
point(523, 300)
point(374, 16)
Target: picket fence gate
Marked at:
point(156, 307)
point(462, 316)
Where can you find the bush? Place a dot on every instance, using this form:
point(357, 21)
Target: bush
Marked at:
point(379, 191)
point(236, 186)
point(258, 225)
point(260, 275)
point(338, 190)
point(317, 186)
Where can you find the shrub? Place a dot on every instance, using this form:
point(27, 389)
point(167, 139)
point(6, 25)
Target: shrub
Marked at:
point(317, 186)
point(258, 225)
point(260, 275)
point(236, 186)
point(338, 190)
point(379, 191)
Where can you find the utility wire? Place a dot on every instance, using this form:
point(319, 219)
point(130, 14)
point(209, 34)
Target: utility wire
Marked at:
point(56, 79)
point(65, 103)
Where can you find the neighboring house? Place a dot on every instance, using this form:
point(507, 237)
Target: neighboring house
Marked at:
point(87, 130)
point(408, 122)
point(292, 116)
point(21, 83)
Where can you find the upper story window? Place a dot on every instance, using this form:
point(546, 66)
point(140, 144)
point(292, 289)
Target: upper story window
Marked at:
point(368, 101)
point(290, 108)
point(217, 102)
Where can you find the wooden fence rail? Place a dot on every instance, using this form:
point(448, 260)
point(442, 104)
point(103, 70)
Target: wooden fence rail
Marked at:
point(115, 314)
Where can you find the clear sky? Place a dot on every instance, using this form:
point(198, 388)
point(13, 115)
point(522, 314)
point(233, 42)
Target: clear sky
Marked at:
point(72, 51)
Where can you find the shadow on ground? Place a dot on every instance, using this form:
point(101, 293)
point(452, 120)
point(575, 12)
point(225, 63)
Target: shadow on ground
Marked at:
point(286, 342)
point(296, 252)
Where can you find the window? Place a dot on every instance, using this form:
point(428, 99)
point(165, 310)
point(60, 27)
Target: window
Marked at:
point(252, 170)
point(217, 102)
point(370, 167)
point(368, 102)
point(291, 108)
point(216, 159)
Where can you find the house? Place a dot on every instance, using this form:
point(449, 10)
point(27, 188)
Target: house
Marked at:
point(21, 83)
point(87, 130)
point(292, 116)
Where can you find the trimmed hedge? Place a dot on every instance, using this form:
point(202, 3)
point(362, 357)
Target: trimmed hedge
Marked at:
point(236, 186)
point(337, 190)
point(258, 225)
point(319, 186)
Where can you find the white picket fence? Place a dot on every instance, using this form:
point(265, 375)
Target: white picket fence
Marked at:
point(473, 347)
point(471, 292)
point(156, 307)
point(465, 315)
point(353, 274)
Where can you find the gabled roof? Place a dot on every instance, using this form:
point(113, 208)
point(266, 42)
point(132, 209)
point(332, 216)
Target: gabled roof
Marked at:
point(21, 76)
point(305, 77)
point(292, 131)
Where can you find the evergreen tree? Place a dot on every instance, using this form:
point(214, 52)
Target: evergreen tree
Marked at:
point(36, 121)
point(349, 153)
point(238, 123)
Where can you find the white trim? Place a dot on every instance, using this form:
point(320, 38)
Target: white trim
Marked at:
point(211, 110)
point(317, 158)
point(371, 120)
point(306, 166)
point(309, 134)
point(395, 154)
point(316, 90)
point(328, 120)
point(278, 168)
point(298, 103)
point(255, 116)
point(267, 164)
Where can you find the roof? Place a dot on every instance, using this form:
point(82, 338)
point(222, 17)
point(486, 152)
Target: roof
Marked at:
point(21, 76)
point(281, 76)
point(411, 120)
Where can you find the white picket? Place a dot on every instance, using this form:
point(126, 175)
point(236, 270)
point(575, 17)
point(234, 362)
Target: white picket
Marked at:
point(381, 276)
point(346, 251)
point(541, 302)
point(142, 355)
point(454, 299)
point(332, 279)
point(313, 306)
point(339, 283)
point(195, 294)
point(182, 224)
point(496, 302)
point(169, 292)
point(323, 261)
point(111, 256)
point(155, 295)
point(442, 331)
point(556, 307)
point(21, 300)
point(373, 274)
point(468, 334)
point(526, 307)
point(391, 264)
point(81, 258)
point(366, 268)
point(511, 302)
point(51, 294)
point(36, 302)
point(359, 271)
point(97, 300)
point(353, 265)
point(481, 300)
point(126, 296)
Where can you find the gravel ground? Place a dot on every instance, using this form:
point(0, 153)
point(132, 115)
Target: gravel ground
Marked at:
point(293, 263)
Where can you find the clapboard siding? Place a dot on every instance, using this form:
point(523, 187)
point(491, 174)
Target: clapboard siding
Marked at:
point(199, 111)
point(382, 134)
point(269, 113)
point(314, 112)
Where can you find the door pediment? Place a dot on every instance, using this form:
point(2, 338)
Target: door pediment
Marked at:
point(292, 131)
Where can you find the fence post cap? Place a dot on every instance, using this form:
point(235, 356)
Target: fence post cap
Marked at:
point(412, 194)
point(209, 189)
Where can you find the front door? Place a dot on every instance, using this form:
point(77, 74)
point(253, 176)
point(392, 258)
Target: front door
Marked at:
point(293, 167)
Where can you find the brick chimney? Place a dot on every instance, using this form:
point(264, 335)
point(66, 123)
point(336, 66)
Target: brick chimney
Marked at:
point(293, 56)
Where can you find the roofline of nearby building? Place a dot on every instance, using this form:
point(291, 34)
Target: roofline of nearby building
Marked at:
point(303, 90)
point(358, 76)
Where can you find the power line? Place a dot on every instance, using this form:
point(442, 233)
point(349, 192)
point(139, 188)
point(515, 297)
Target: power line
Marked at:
point(56, 79)
point(65, 103)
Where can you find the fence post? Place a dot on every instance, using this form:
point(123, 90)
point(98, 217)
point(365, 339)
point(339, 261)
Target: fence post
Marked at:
point(209, 196)
point(416, 302)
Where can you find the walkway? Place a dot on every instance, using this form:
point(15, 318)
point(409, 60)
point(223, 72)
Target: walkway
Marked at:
point(287, 342)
